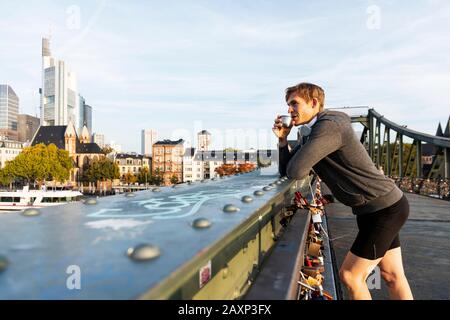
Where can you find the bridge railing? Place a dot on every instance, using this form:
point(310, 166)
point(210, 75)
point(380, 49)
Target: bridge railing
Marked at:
point(200, 241)
point(392, 155)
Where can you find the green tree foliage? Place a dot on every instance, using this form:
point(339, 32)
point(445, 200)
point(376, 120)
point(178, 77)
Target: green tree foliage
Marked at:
point(130, 178)
point(6, 177)
point(174, 179)
point(39, 163)
point(144, 176)
point(100, 170)
point(157, 178)
point(107, 150)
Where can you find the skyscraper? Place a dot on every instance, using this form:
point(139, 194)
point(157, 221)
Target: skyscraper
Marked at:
point(9, 108)
point(148, 138)
point(84, 115)
point(87, 116)
point(99, 139)
point(59, 94)
point(27, 127)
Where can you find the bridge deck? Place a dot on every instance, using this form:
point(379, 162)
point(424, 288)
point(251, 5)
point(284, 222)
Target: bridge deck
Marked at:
point(425, 245)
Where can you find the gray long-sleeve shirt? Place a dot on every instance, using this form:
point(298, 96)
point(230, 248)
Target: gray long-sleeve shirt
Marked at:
point(335, 153)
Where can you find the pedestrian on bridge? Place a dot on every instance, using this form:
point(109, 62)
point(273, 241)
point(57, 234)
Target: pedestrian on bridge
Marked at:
point(329, 145)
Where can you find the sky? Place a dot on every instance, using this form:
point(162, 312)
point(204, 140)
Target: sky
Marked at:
point(178, 67)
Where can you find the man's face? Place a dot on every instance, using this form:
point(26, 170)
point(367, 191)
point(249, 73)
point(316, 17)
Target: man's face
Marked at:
point(300, 111)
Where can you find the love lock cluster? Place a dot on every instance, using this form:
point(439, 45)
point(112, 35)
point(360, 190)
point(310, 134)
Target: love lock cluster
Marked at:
point(313, 269)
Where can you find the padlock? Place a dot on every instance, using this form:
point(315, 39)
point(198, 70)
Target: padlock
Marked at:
point(316, 210)
point(306, 286)
point(314, 249)
point(313, 282)
point(317, 240)
point(313, 270)
point(308, 262)
point(316, 218)
point(309, 272)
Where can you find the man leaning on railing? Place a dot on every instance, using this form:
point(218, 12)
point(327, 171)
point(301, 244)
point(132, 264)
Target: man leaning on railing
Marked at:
point(329, 145)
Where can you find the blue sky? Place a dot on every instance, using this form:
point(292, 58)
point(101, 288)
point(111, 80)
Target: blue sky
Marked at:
point(181, 66)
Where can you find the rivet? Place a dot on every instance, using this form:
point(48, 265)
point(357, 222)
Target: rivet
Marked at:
point(3, 263)
point(91, 201)
point(201, 223)
point(130, 195)
point(156, 190)
point(258, 193)
point(278, 182)
point(247, 199)
point(272, 185)
point(268, 188)
point(214, 179)
point(143, 252)
point(31, 212)
point(230, 208)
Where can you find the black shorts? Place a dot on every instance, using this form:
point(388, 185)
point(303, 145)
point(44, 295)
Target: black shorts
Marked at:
point(379, 231)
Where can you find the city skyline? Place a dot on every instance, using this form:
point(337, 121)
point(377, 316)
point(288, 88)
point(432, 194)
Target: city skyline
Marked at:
point(224, 67)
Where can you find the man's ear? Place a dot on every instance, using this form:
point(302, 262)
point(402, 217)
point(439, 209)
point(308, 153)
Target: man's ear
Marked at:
point(315, 102)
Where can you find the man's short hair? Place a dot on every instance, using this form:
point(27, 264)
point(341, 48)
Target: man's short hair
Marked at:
point(307, 91)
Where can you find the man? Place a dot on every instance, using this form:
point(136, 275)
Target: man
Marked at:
point(330, 146)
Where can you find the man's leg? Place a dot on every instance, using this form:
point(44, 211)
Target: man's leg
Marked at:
point(391, 267)
point(354, 272)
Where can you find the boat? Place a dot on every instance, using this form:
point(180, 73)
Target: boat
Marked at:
point(24, 199)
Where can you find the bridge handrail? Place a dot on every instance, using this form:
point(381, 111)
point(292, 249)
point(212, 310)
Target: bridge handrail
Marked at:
point(224, 249)
point(437, 141)
point(234, 248)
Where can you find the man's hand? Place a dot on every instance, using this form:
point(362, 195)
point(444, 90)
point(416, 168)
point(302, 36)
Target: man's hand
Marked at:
point(281, 132)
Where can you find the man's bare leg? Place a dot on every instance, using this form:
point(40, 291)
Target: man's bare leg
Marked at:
point(391, 267)
point(354, 272)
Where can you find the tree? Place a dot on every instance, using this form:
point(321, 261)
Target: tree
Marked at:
point(62, 163)
point(246, 167)
point(157, 178)
point(174, 179)
point(100, 170)
point(6, 177)
point(144, 175)
point(130, 178)
point(107, 150)
point(226, 169)
point(41, 162)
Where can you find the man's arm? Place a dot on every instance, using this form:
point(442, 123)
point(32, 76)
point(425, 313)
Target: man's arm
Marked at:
point(325, 138)
point(284, 155)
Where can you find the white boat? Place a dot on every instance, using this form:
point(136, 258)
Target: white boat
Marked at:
point(24, 199)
